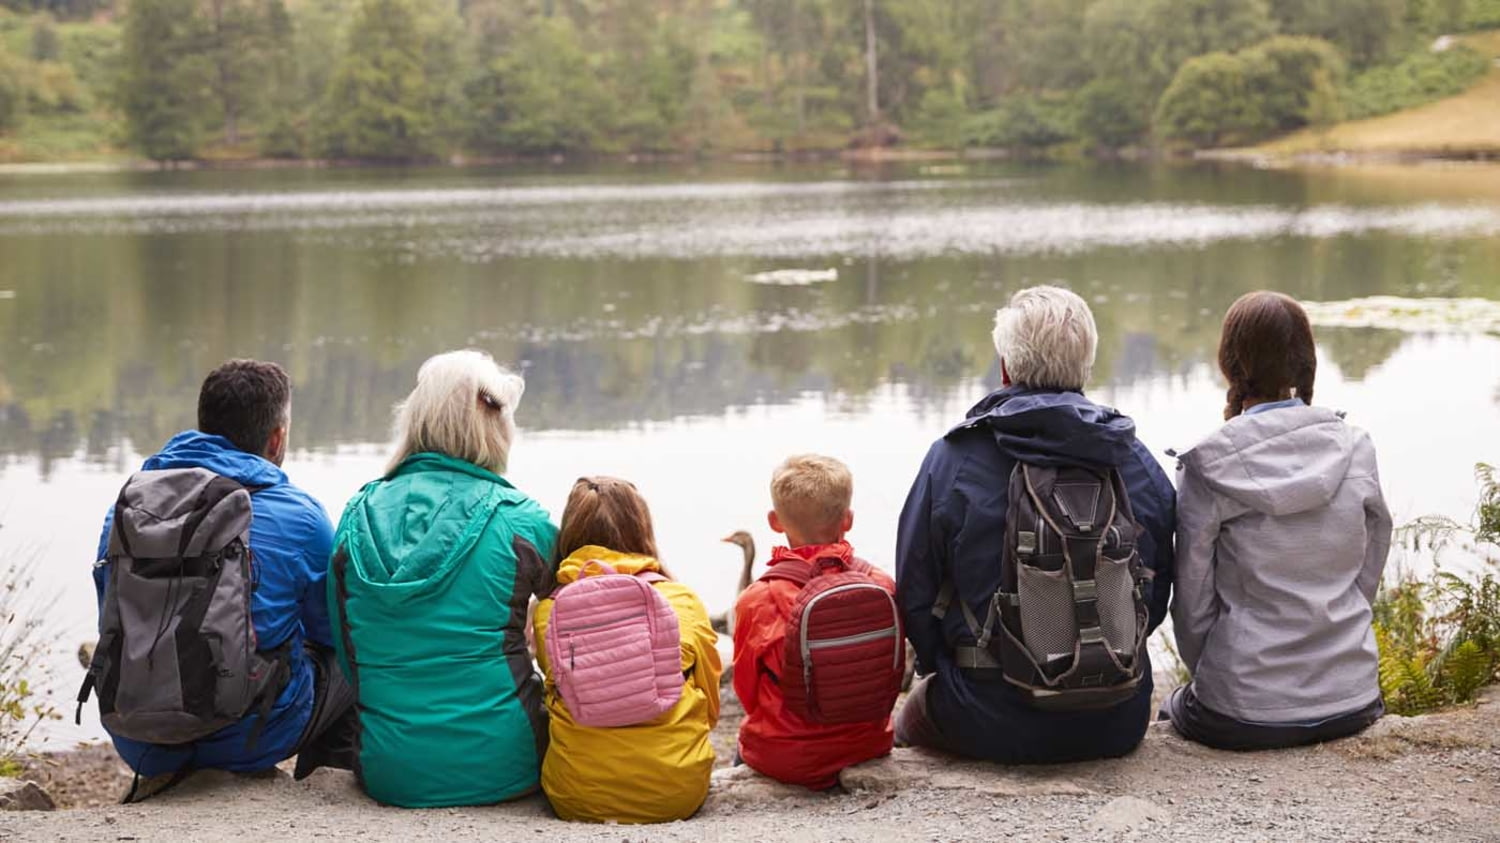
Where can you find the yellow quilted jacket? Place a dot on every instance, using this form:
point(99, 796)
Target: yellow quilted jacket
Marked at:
point(656, 771)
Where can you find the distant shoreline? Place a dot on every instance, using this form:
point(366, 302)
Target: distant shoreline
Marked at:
point(1262, 158)
point(876, 156)
point(864, 156)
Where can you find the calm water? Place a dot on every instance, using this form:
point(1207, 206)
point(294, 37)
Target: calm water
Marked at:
point(655, 345)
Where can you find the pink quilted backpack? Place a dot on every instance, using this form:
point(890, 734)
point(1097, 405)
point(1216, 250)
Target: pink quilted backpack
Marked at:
point(615, 648)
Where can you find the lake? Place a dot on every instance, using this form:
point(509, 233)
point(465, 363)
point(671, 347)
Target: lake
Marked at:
point(687, 327)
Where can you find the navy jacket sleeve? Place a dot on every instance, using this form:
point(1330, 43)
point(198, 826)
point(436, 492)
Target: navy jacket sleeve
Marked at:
point(101, 574)
point(919, 569)
point(1154, 503)
point(317, 554)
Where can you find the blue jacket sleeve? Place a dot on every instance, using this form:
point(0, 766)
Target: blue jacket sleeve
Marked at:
point(101, 574)
point(316, 555)
point(1154, 503)
point(920, 564)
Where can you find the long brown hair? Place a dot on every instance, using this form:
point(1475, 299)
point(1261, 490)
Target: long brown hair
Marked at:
point(608, 512)
point(1266, 351)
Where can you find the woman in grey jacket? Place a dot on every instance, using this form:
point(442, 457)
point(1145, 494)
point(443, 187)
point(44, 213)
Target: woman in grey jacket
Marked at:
point(1282, 535)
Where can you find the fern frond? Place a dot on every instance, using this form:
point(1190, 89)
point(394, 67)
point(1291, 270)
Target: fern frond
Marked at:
point(1466, 669)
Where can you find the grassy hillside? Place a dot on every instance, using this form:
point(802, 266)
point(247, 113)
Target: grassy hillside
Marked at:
point(1464, 125)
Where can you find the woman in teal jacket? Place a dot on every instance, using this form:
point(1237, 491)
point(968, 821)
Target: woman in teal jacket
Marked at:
point(434, 566)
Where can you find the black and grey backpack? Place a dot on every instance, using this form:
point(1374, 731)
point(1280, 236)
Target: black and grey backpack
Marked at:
point(1068, 624)
point(177, 658)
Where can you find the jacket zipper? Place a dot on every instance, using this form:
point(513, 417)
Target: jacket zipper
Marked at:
point(863, 637)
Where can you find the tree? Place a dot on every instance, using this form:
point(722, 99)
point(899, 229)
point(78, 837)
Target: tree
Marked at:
point(1044, 43)
point(12, 93)
point(1367, 31)
point(1297, 81)
point(1106, 114)
point(234, 41)
point(45, 43)
point(160, 91)
point(282, 135)
point(1022, 121)
point(1143, 43)
point(547, 95)
point(872, 67)
point(378, 104)
point(1209, 101)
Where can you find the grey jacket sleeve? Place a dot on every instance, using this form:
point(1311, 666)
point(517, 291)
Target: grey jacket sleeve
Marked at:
point(1378, 527)
point(1195, 604)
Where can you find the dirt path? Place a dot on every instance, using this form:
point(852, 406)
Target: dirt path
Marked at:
point(1432, 778)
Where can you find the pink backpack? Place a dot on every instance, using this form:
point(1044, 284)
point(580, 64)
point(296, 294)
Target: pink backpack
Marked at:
point(615, 648)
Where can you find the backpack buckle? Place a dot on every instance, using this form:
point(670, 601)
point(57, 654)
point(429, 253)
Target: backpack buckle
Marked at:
point(1025, 543)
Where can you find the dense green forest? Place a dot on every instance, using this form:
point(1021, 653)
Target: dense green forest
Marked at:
point(422, 79)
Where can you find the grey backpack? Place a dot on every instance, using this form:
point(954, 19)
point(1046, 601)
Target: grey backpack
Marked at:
point(1068, 623)
point(177, 658)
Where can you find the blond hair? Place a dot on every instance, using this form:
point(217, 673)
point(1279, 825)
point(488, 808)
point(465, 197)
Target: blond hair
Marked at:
point(812, 493)
point(463, 406)
point(1047, 339)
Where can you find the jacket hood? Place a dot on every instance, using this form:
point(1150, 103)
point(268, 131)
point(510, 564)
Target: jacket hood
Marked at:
point(1279, 462)
point(570, 569)
point(196, 449)
point(407, 532)
point(1053, 428)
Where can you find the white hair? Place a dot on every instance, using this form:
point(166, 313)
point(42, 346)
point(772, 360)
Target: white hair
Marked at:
point(1046, 338)
point(464, 406)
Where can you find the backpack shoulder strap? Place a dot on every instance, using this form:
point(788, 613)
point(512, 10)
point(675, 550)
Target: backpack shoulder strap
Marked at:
point(652, 577)
point(792, 570)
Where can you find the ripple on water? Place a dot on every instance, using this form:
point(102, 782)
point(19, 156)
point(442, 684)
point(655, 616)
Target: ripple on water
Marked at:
point(776, 221)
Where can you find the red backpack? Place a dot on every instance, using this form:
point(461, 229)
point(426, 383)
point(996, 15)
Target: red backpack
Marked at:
point(845, 653)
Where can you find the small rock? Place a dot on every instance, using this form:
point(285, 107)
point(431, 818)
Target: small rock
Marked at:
point(736, 787)
point(1127, 813)
point(16, 795)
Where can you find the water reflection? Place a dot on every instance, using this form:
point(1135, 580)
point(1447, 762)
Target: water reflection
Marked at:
point(107, 338)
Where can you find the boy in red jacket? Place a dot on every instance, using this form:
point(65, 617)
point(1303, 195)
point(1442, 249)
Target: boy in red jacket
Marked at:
point(811, 496)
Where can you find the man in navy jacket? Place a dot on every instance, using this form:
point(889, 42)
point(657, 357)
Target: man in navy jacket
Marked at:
point(953, 529)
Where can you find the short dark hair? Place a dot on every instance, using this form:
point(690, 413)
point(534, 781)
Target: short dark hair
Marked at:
point(244, 401)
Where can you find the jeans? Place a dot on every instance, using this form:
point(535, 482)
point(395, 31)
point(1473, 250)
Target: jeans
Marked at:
point(1196, 722)
point(329, 738)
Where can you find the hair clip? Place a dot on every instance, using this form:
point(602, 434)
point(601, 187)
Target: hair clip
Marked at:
point(490, 401)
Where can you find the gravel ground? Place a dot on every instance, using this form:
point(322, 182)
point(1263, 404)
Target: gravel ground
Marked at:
point(1429, 778)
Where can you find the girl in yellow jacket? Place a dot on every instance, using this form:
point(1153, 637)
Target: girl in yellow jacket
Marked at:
point(656, 771)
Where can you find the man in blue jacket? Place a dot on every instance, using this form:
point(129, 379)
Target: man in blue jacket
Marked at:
point(952, 531)
point(244, 413)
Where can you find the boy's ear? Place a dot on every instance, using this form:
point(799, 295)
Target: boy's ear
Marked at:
point(848, 523)
point(775, 521)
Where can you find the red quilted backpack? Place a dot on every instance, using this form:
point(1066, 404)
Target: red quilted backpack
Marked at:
point(845, 653)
